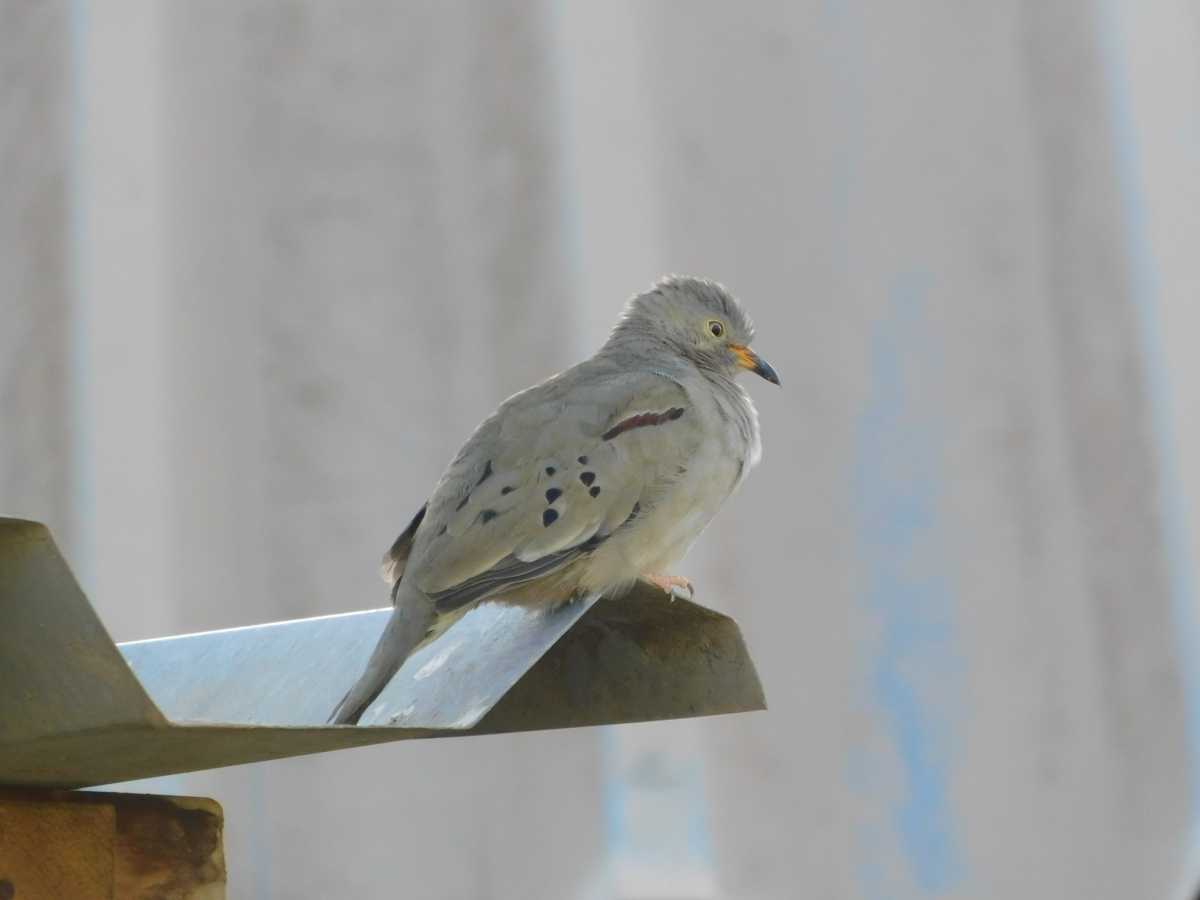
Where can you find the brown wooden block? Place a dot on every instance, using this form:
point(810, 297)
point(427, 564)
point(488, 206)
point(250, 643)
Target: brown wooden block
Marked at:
point(56, 845)
point(51, 851)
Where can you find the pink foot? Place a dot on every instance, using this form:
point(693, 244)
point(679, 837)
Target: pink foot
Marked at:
point(666, 582)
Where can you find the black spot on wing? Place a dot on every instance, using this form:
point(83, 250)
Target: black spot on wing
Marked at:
point(441, 531)
point(550, 470)
point(595, 492)
point(506, 490)
point(464, 503)
point(548, 517)
point(587, 477)
point(583, 460)
point(488, 515)
point(487, 473)
point(553, 494)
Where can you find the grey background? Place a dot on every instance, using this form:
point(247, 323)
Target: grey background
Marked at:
point(263, 266)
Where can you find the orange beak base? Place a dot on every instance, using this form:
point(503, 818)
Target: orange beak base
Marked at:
point(748, 359)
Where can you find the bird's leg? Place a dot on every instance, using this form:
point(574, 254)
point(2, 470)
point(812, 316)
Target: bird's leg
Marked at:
point(666, 582)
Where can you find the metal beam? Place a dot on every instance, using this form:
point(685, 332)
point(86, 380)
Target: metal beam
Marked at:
point(78, 710)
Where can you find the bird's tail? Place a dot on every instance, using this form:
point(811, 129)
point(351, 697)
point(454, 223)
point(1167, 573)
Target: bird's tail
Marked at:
point(405, 629)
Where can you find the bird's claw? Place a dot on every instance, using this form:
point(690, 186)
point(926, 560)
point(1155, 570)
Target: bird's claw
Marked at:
point(669, 582)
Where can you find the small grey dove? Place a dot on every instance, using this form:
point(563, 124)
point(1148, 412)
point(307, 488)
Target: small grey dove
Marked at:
point(586, 481)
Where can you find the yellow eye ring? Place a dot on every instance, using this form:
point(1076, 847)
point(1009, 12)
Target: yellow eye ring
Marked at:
point(715, 328)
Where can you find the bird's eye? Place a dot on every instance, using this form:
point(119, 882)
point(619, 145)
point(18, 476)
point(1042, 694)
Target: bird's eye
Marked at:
point(716, 328)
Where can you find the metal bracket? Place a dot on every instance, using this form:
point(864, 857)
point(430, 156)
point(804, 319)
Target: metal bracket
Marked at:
point(78, 710)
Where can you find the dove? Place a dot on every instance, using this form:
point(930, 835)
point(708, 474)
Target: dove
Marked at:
point(582, 484)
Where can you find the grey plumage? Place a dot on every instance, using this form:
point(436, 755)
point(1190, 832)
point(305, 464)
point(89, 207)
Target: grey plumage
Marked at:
point(583, 482)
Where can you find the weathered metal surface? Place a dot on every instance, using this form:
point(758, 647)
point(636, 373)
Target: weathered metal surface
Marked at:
point(294, 673)
point(59, 671)
point(74, 713)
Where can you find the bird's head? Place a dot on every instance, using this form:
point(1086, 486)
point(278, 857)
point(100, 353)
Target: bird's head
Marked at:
point(698, 319)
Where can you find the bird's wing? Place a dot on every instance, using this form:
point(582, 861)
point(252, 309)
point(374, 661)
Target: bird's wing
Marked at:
point(396, 558)
point(551, 474)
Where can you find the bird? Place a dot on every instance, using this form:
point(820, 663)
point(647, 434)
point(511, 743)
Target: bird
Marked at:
point(587, 481)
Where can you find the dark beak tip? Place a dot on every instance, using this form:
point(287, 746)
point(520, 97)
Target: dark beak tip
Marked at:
point(765, 370)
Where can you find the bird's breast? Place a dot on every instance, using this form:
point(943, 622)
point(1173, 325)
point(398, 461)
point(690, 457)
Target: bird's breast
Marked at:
point(678, 513)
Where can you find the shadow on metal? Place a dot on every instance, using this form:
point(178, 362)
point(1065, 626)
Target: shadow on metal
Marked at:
point(78, 710)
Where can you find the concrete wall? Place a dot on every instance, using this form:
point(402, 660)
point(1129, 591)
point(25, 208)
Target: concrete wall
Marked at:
point(318, 242)
point(957, 518)
point(363, 258)
point(36, 411)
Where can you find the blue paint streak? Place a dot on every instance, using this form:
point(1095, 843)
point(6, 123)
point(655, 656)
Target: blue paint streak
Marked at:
point(915, 672)
point(615, 827)
point(1146, 292)
point(655, 811)
point(699, 829)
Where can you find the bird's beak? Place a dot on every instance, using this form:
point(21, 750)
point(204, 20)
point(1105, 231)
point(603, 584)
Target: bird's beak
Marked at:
point(748, 359)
